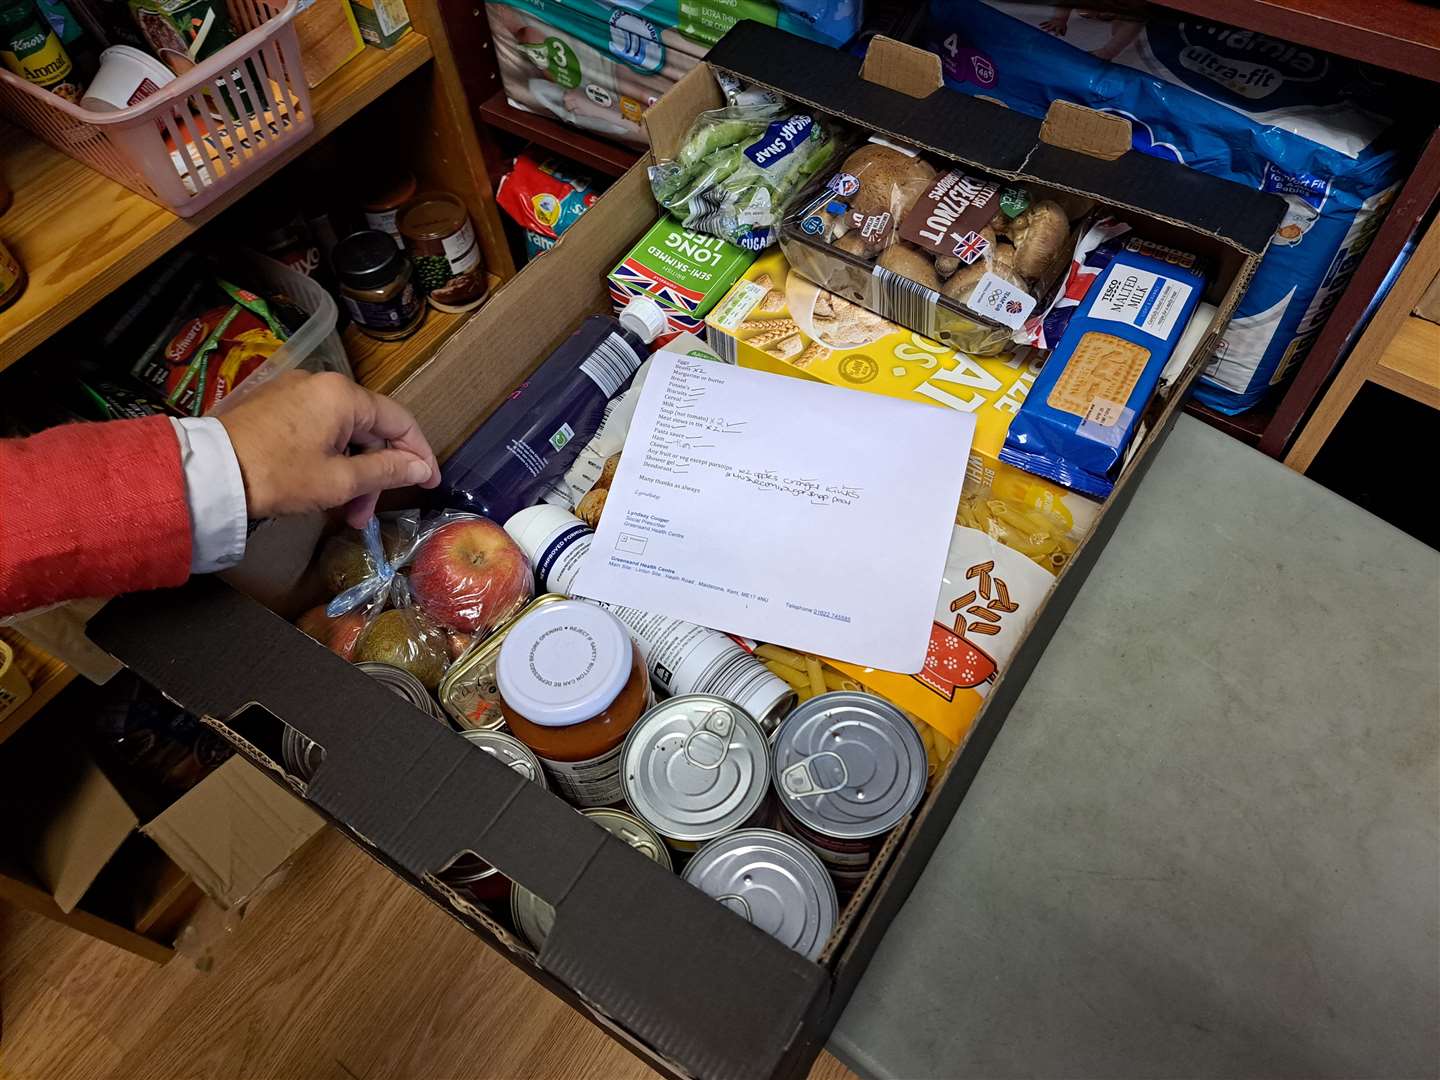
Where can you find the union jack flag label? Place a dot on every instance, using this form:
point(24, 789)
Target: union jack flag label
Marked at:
point(971, 246)
point(642, 280)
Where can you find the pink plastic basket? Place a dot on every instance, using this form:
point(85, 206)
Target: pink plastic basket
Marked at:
point(235, 113)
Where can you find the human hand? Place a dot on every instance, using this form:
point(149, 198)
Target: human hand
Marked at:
point(290, 437)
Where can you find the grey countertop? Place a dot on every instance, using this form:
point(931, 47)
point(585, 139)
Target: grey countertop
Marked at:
point(1207, 841)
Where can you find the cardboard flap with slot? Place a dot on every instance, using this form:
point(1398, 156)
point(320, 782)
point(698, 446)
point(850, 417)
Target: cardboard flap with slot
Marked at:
point(414, 790)
point(903, 68)
point(1087, 131)
point(996, 139)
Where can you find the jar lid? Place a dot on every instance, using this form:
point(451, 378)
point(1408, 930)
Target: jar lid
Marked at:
point(388, 191)
point(434, 215)
point(564, 663)
point(367, 259)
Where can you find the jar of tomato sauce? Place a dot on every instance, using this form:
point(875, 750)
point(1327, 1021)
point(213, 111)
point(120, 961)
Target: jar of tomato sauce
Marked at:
point(571, 687)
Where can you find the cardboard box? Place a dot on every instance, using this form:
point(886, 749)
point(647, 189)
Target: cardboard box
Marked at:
point(684, 982)
point(95, 842)
point(768, 321)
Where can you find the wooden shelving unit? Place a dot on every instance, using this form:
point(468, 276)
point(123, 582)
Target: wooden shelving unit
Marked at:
point(80, 236)
point(596, 154)
point(47, 677)
point(384, 365)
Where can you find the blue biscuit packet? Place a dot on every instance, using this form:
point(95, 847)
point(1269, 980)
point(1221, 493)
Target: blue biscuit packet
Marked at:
point(1082, 411)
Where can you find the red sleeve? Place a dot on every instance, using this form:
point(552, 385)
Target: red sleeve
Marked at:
point(91, 510)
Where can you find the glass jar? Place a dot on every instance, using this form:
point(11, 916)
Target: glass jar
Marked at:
point(441, 243)
point(382, 200)
point(376, 286)
point(571, 688)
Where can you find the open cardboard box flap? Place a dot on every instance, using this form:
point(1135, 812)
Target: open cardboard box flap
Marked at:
point(707, 993)
point(233, 830)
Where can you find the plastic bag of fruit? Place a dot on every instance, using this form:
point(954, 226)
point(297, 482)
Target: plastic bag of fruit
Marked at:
point(360, 568)
point(468, 575)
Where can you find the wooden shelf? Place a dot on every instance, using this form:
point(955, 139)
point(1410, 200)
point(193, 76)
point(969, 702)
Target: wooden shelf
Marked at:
point(80, 236)
point(47, 677)
point(25, 893)
point(1410, 364)
point(599, 155)
point(383, 365)
point(1402, 35)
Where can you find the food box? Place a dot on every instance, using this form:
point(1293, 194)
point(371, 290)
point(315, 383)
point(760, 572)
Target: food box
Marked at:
point(689, 986)
point(776, 320)
point(685, 272)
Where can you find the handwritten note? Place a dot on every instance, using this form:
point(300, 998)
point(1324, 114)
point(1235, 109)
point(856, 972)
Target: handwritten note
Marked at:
point(783, 510)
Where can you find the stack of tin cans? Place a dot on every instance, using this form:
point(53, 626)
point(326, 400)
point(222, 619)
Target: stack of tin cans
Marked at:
point(302, 757)
point(780, 831)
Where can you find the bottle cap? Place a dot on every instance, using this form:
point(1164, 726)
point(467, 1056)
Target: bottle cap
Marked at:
point(564, 663)
point(644, 317)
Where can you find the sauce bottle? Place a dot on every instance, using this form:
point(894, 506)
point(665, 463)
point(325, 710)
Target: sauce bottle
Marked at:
point(571, 687)
point(532, 438)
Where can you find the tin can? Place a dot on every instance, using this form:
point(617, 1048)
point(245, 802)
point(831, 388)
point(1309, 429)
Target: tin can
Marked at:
point(469, 692)
point(471, 873)
point(773, 881)
point(302, 757)
point(404, 686)
point(533, 917)
point(848, 767)
point(696, 767)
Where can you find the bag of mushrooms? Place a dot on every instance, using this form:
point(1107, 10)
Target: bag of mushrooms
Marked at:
point(961, 258)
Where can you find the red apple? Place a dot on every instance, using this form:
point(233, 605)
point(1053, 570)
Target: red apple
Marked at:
point(338, 634)
point(469, 575)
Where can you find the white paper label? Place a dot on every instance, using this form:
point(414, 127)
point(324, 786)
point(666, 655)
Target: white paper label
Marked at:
point(592, 782)
point(997, 299)
point(1140, 298)
point(384, 221)
point(461, 251)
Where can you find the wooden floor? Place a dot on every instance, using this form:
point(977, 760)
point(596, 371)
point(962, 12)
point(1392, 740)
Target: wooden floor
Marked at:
point(343, 973)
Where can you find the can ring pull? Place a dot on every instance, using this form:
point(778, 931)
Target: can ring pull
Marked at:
point(736, 903)
point(800, 780)
point(718, 724)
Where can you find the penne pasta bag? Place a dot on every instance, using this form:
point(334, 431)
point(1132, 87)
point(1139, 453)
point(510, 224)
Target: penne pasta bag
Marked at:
point(988, 598)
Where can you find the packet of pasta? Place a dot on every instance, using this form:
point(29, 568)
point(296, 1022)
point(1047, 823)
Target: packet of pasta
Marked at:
point(989, 596)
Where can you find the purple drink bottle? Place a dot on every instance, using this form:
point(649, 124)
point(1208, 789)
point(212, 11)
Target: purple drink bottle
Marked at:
point(536, 433)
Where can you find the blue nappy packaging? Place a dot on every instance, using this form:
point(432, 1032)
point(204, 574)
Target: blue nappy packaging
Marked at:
point(1233, 103)
point(1080, 415)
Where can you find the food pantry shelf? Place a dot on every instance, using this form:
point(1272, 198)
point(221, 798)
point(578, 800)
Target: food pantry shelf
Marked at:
point(383, 365)
point(605, 157)
point(47, 677)
point(80, 235)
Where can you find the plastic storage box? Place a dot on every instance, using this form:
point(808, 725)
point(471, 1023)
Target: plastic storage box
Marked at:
point(316, 346)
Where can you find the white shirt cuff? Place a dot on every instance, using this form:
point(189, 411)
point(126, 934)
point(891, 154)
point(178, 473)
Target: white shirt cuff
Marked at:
point(214, 493)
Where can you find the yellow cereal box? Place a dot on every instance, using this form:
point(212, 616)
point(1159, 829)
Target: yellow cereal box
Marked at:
point(777, 321)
